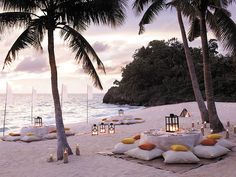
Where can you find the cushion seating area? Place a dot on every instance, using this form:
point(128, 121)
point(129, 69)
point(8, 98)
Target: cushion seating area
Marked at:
point(144, 154)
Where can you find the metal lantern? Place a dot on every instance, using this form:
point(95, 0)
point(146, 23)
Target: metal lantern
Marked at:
point(102, 128)
point(38, 122)
point(111, 128)
point(94, 130)
point(121, 112)
point(172, 123)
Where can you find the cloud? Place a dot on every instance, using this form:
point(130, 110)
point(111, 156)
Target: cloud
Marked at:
point(37, 64)
point(100, 47)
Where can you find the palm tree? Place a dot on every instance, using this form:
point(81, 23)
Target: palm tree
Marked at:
point(152, 10)
point(71, 17)
point(213, 13)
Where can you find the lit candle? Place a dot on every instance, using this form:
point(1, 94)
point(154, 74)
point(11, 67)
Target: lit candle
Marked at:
point(77, 151)
point(228, 124)
point(50, 159)
point(227, 134)
point(192, 124)
point(65, 156)
point(211, 131)
point(202, 130)
point(205, 124)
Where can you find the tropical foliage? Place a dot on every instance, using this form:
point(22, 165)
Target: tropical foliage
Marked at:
point(159, 75)
point(41, 18)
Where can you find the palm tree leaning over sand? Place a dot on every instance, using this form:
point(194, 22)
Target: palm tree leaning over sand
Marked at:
point(71, 17)
point(153, 9)
point(215, 14)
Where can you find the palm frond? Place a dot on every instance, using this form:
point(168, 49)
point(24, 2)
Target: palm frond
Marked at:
point(149, 14)
point(28, 38)
point(139, 5)
point(84, 52)
point(224, 29)
point(14, 19)
point(20, 5)
point(194, 30)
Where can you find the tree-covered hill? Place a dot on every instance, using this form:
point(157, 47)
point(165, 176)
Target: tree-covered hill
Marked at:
point(159, 75)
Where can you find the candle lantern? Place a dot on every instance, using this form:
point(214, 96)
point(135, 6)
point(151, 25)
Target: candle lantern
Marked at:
point(121, 112)
point(94, 130)
point(38, 122)
point(172, 123)
point(227, 134)
point(202, 130)
point(65, 156)
point(102, 128)
point(111, 128)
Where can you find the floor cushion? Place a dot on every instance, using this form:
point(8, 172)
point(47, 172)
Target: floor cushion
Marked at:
point(128, 141)
point(225, 143)
point(214, 136)
point(210, 152)
point(147, 146)
point(178, 147)
point(144, 154)
point(208, 142)
point(11, 138)
point(121, 148)
point(30, 138)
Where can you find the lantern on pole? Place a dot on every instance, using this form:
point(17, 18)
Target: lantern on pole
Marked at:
point(111, 128)
point(172, 123)
point(94, 130)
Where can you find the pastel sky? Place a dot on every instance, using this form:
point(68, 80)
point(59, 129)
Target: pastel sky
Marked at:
point(115, 48)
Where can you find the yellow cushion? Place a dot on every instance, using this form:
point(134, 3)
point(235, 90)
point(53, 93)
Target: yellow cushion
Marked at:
point(128, 141)
point(66, 129)
point(147, 146)
point(138, 119)
point(14, 134)
point(214, 136)
point(178, 147)
point(29, 134)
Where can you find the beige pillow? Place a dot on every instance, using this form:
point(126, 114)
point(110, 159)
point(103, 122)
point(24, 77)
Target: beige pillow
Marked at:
point(144, 154)
point(225, 143)
point(30, 138)
point(121, 148)
point(179, 157)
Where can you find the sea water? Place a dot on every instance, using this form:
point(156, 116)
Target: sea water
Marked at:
point(75, 109)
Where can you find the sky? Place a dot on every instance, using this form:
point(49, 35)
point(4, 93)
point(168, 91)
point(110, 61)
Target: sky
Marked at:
point(114, 46)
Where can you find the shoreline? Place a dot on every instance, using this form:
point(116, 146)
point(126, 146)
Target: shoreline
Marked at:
point(29, 159)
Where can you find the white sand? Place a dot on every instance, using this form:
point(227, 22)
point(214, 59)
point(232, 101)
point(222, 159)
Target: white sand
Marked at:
point(18, 159)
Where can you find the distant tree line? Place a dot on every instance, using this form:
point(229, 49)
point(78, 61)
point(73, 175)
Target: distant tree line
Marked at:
point(159, 75)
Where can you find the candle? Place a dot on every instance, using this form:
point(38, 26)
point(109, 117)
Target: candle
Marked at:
point(235, 129)
point(227, 134)
point(202, 130)
point(211, 131)
point(205, 124)
point(228, 124)
point(77, 151)
point(65, 156)
point(50, 159)
point(192, 124)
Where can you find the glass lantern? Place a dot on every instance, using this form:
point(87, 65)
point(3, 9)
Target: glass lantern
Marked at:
point(121, 112)
point(102, 128)
point(94, 130)
point(38, 122)
point(111, 128)
point(172, 123)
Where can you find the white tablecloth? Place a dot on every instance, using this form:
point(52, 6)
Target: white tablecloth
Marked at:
point(165, 141)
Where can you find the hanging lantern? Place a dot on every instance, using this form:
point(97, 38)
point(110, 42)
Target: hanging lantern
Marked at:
point(38, 122)
point(121, 112)
point(111, 128)
point(94, 130)
point(102, 128)
point(172, 123)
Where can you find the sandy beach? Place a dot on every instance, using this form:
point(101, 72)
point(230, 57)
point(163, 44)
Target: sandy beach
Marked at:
point(20, 159)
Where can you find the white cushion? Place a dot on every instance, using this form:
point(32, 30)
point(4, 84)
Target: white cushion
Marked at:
point(179, 157)
point(225, 143)
point(209, 152)
point(50, 136)
point(121, 148)
point(30, 138)
point(11, 138)
point(144, 154)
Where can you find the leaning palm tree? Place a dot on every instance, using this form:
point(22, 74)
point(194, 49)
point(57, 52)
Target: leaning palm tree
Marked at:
point(215, 14)
point(71, 17)
point(154, 7)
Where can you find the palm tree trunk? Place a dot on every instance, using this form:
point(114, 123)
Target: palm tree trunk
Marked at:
point(193, 76)
point(61, 137)
point(214, 120)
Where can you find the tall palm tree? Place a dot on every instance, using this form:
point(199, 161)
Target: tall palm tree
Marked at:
point(71, 17)
point(153, 9)
point(215, 14)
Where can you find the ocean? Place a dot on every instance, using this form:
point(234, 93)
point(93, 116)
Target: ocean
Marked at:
point(74, 109)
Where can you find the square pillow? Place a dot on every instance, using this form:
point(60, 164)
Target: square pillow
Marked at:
point(208, 142)
point(121, 148)
point(178, 147)
point(128, 141)
point(144, 154)
point(147, 146)
point(30, 138)
point(214, 136)
point(179, 157)
point(209, 152)
point(11, 138)
point(225, 143)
